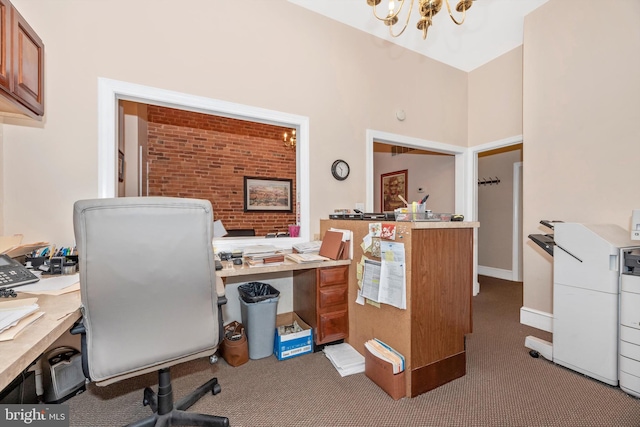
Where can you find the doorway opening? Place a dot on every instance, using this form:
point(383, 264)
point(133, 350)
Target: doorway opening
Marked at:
point(498, 204)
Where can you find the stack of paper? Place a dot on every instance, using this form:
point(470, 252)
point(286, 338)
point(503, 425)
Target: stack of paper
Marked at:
point(306, 257)
point(259, 251)
point(13, 247)
point(265, 260)
point(307, 247)
point(385, 352)
point(345, 359)
point(15, 315)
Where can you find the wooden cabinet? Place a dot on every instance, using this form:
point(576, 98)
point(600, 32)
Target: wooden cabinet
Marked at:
point(430, 333)
point(320, 299)
point(21, 65)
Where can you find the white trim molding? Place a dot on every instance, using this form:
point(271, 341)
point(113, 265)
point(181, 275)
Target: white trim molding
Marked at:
point(536, 319)
point(498, 273)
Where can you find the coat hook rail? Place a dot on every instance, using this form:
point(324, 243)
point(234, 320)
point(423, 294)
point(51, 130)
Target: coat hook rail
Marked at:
point(489, 181)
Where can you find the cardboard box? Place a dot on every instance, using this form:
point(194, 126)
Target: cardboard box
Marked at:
point(294, 344)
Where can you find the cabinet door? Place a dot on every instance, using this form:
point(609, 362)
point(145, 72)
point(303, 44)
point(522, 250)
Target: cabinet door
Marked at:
point(28, 65)
point(5, 45)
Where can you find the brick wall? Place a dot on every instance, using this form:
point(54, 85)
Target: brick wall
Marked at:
point(207, 157)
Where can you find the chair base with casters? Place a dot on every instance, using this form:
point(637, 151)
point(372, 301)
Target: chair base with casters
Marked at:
point(165, 413)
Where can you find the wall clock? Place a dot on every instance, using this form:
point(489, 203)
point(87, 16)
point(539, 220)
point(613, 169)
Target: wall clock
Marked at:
point(340, 170)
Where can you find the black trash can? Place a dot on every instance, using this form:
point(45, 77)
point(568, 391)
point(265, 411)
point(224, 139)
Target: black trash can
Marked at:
point(258, 307)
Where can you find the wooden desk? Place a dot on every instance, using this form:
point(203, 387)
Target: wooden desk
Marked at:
point(320, 292)
point(61, 312)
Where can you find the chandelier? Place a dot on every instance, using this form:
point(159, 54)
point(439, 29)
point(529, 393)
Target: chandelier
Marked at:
point(428, 9)
point(290, 140)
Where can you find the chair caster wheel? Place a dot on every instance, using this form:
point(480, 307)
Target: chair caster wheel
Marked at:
point(213, 359)
point(216, 389)
point(534, 354)
point(150, 399)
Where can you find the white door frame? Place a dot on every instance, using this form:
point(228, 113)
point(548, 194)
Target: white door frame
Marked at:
point(516, 254)
point(464, 180)
point(474, 151)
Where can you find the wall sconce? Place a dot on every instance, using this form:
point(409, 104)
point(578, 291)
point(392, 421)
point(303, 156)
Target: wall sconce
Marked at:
point(290, 140)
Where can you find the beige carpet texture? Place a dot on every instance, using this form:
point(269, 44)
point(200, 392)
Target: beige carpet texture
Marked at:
point(504, 386)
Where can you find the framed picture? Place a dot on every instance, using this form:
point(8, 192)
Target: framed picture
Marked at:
point(120, 166)
point(392, 185)
point(267, 194)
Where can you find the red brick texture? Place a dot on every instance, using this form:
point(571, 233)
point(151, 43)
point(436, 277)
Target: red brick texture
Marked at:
point(207, 157)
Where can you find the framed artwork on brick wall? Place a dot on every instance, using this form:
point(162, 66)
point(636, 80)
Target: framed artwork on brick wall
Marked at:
point(267, 194)
point(393, 185)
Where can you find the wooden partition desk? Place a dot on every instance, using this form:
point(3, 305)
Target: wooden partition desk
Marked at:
point(61, 312)
point(430, 333)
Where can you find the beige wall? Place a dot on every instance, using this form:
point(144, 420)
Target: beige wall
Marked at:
point(581, 126)
point(273, 55)
point(2, 181)
point(434, 173)
point(495, 99)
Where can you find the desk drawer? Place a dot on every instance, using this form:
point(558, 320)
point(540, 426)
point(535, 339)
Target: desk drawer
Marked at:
point(329, 297)
point(333, 275)
point(333, 326)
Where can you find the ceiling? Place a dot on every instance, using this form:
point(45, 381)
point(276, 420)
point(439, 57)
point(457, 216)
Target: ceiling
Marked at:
point(491, 28)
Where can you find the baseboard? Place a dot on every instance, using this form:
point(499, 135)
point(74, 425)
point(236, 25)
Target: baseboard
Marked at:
point(498, 273)
point(536, 319)
point(545, 348)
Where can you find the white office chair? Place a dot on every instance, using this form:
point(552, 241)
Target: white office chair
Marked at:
point(149, 296)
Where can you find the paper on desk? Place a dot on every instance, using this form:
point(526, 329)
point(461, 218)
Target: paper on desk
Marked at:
point(11, 333)
point(12, 311)
point(13, 247)
point(52, 285)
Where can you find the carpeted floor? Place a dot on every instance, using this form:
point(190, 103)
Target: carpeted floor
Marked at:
point(504, 386)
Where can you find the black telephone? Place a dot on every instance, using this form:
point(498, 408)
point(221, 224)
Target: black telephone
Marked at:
point(12, 273)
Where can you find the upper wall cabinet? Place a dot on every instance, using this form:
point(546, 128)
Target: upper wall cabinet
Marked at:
point(21, 65)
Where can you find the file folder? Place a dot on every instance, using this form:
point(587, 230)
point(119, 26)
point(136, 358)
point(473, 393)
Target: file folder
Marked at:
point(381, 372)
point(332, 245)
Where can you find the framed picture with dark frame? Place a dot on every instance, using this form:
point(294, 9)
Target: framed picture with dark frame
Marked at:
point(120, 166)
point(267, 194)
point(393, 185)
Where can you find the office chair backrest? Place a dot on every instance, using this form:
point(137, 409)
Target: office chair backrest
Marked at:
point(147, 280)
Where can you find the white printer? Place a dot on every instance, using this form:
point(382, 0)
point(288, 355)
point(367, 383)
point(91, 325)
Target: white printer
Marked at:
point(596, 301)
point(629, 368)
point(588, 267)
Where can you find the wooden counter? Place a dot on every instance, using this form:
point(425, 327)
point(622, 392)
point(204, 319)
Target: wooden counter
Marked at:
point(430, 333)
